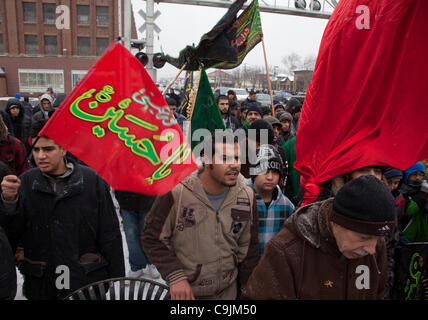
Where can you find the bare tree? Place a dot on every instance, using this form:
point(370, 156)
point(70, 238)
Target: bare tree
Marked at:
point(237, 76)
point(291, 62)
point(309, 62)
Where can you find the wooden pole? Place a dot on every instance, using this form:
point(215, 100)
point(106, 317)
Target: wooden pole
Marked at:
point(172, 82)
point(268, 78)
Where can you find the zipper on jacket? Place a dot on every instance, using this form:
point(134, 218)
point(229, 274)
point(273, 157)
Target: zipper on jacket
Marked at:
point(375, 262)
point(346, 281)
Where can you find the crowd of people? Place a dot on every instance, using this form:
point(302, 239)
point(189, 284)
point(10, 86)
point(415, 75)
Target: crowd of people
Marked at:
point(232, 229)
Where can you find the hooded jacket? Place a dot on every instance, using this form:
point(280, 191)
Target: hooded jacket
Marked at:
point(186, 238)
point(231, 122)
point(42, 114)
point(303, 262)
point(7, 269)
point(21, 124)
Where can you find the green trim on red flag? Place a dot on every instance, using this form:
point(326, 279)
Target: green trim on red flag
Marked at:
point(117, 122)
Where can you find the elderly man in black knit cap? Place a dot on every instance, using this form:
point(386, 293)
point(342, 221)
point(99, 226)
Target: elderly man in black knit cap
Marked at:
point(332, 249)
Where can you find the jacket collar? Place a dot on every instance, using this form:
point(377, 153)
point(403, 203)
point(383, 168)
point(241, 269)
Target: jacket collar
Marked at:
point(74, 184)
point(194, 185)
point(312, 224)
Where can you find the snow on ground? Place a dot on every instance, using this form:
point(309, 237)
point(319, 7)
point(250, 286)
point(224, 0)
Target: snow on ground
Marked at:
point(20, 280)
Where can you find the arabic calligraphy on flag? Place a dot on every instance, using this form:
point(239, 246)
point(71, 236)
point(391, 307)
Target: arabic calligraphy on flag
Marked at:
point(118, 123)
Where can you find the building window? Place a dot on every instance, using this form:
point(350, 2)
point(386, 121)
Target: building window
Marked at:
point(31, 44)
point(82, 14)
point(51, 45)
point(83, 46)
point(49, 15)
point(102, 16)
point(36, 80)
point(1, 44)
point(102, 44)
point(29, 11)
point(76, 76)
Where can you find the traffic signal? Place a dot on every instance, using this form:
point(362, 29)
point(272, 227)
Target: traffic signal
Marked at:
point(142, 57)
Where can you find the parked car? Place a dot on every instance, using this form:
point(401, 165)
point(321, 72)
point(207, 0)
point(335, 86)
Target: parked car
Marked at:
point(220, 91)
point(241, 94)
point(299, 97)
point(282, 96)
point(263, 99)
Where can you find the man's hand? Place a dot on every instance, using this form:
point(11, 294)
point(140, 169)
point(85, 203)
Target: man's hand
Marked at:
point(181, 291)
point(9, 187)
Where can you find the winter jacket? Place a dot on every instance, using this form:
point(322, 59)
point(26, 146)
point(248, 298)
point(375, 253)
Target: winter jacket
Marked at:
point(271, 219)
point(293, 186)
point(186, 238)
point(41, 114)
point(13, 154)
point(231, 122)
point(135, 202)
point(7, 269)
point(7, 121)
point(77, 228)
point(21, 124)
point(415, 220)
point(284, 137)
point(303, 262)
point(180, 119)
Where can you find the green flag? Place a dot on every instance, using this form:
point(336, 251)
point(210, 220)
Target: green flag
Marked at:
point(248, 34)
point(203, 111)
point(226, 45)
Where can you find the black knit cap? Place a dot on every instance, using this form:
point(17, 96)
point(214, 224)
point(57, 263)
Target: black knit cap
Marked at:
point(262, 124)
point(365, 205)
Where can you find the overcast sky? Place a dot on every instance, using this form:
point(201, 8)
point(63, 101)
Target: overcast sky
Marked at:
point(183, 25)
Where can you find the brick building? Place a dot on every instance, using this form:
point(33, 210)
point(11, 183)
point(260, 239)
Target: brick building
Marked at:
point(219, 78)
point(302, 78)
point(38, 51)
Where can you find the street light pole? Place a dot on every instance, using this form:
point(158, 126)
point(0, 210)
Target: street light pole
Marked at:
point(127, 11)
point(150, 8)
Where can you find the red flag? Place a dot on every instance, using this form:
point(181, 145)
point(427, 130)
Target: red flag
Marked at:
point(118, 122)
point(366, 102)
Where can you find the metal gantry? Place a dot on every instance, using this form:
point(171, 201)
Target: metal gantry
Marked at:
point(321, 9)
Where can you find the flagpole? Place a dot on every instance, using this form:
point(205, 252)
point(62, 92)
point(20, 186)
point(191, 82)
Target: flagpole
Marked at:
point(172, 82)
point(268, 78)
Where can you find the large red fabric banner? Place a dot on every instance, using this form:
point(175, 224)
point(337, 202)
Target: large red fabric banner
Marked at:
point(366, 103)
point(117, 121)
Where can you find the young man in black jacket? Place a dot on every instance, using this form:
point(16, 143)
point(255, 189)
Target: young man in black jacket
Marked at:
point(63, 216)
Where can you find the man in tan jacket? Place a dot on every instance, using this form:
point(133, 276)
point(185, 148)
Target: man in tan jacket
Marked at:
point(202, 236)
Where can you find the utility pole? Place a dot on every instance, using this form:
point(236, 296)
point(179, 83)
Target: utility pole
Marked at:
point(127, 14)
point(119, 16)
point(150, 8)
